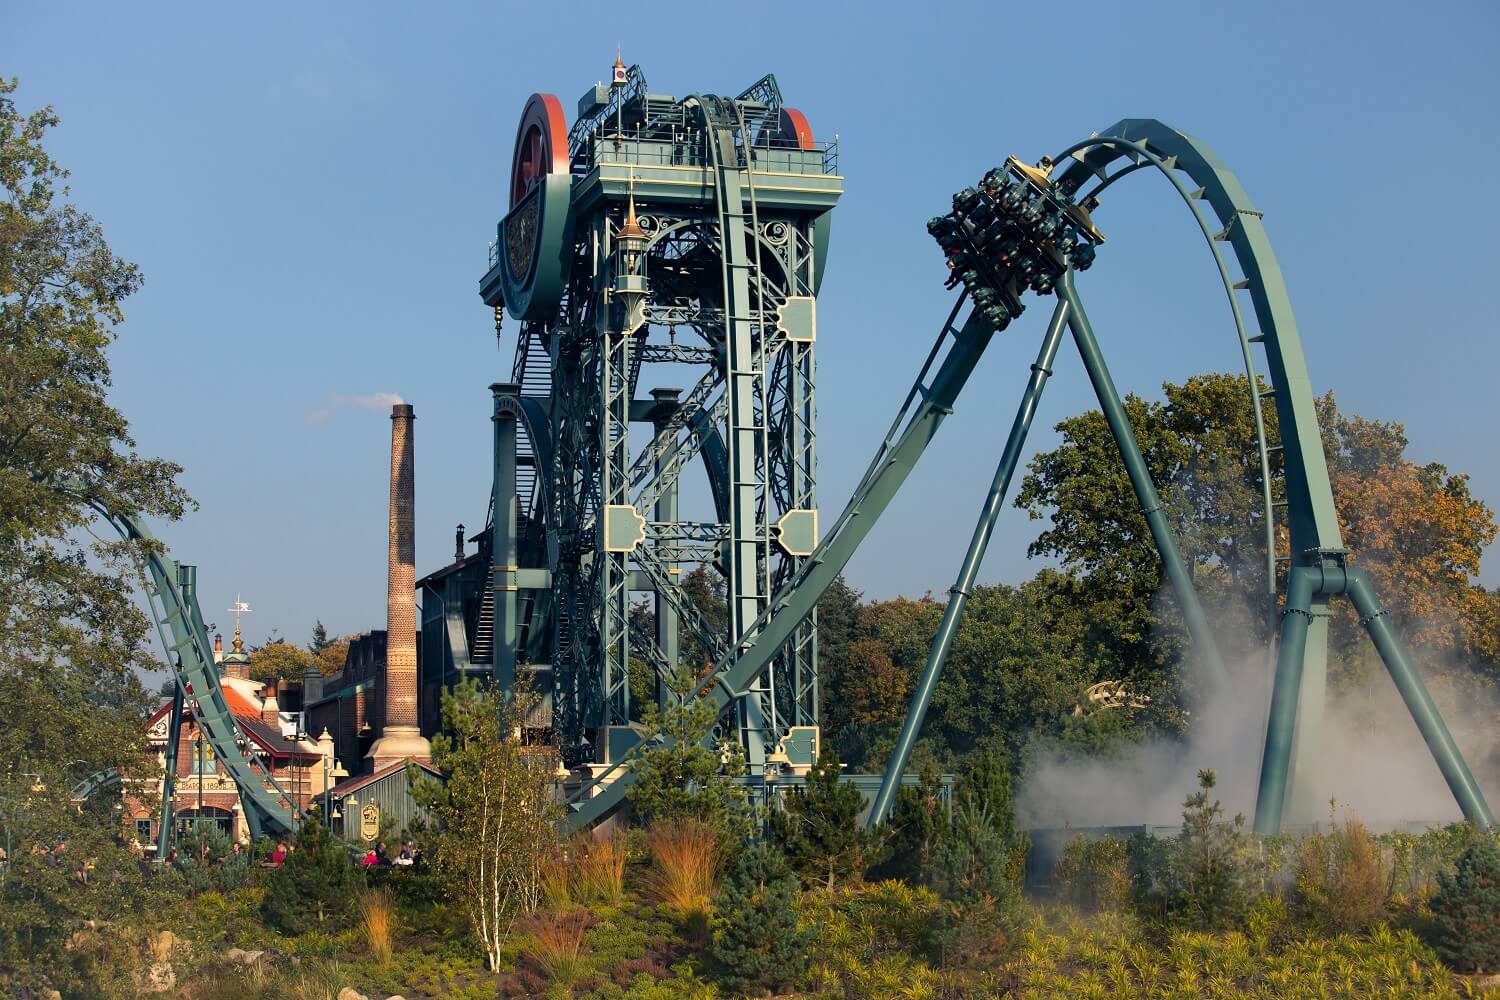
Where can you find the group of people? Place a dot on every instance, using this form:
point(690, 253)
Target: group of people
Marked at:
point(376, 855)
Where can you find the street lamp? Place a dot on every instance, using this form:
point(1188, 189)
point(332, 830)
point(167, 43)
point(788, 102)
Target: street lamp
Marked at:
point(338, 773)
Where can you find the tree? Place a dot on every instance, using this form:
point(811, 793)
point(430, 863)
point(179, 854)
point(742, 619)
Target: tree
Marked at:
point(818, 826)
point(279, 660)
point(757, 940)
point(681, 774)
point(980, 856)
point(1466, 909)
point(72, 641)
point(1202, 880)
point(496, 821)
point(315, 889)
point(319, 640)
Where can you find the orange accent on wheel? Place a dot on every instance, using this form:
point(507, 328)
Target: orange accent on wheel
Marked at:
point(794, 130)
point(541, 145)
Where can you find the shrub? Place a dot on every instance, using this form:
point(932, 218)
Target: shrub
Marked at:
point(598, 868)
point(1202, 880)
point(1093, 874)
point(555, 948)
point(979, 853)
point(757, 940)
point(1466, 909)
point(377, 918)
point(685, 859)
point(912, 832)
point(818, 826)
point(1341, 887)
point(317, 885)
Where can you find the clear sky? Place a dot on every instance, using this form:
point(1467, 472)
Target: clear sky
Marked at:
point(310, 188)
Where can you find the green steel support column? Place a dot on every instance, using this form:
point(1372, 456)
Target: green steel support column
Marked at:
point(1419, 702)
point(169, 779)
point(666, 511)
point(1140, 479)
point(1305, 801)
point(942, 642)
point(794, 602)
point(504, 553)
point(1302, 583)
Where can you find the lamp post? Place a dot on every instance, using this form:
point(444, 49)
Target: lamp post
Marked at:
point(338, 773)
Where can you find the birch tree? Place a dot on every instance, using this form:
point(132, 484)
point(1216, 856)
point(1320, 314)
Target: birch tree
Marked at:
point(496, 817)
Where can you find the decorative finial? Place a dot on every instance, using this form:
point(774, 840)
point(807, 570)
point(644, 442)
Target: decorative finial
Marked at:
point(239, 644)
point(621, 75)
point(632, 229)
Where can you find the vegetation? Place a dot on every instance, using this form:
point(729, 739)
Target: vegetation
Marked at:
point(818, 827)
point(497, 820)
point(1466, 909)
point(759, 942)
point(316, 887)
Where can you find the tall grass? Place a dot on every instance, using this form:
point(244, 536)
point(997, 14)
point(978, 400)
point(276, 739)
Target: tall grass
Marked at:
point(557, 890)
point(556, 946)
point(377, 920)
point(685, 861)
point(599, 868)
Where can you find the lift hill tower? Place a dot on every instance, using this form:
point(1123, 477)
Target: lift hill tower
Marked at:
point(683, 241)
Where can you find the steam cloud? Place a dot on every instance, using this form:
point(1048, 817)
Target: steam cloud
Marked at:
point(1373, 760)
point(373, 401)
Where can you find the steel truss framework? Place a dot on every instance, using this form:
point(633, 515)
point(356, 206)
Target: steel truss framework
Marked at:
point(1317, 567)
point(588, 472)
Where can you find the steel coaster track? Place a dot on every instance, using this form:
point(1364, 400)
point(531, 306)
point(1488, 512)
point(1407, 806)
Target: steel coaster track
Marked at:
point(1318, 569)
point(171, 592)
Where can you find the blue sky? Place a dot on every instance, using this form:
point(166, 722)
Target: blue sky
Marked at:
point(309, 189)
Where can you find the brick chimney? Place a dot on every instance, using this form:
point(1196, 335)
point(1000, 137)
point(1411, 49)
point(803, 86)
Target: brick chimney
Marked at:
point(399, 737)
point(270, 709)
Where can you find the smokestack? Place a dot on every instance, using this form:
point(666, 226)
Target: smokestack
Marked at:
point(399, 737)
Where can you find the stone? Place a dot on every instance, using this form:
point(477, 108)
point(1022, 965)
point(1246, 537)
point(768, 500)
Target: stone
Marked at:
point(240, 956)
point(349, 993)
point(51, 995)
point(163, 943)
point(158, 978)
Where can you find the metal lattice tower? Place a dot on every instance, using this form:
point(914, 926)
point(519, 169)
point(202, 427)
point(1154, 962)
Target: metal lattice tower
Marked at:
point(683, 240)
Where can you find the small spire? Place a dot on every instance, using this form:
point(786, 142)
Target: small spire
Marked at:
point(620, 75)
point(632, 229)
point(239, 644)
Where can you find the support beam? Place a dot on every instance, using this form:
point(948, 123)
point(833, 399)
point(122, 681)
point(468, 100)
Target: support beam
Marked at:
point(664, 406)
point(942, 642)
point(1419, 702)
point(169, 779)
point(1140, 480)
point(1276, 761)
point(504, 551)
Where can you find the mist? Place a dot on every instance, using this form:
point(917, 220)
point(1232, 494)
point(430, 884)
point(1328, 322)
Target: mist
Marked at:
point(1372, 759)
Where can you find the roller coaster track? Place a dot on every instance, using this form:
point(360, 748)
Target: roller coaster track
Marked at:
point(1317, 568)
point(171, 590)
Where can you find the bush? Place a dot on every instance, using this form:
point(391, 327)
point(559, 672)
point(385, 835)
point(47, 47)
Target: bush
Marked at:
point(377, 919)
point(818, 826)
point(556, 950)
point(1341, 884)
point(1466, 909)
point(317, 886)
point(757, 940)
point(1203, 879)
point(911, 835)
point(979, 854)
point(598, 868)
point(1093, 874)
point(685, 859)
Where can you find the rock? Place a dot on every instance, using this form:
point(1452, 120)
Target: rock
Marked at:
point(163, 943)
point(51, 995)
point(396, 997)
point(239, 956)
point(349, 993)
point(159, 978)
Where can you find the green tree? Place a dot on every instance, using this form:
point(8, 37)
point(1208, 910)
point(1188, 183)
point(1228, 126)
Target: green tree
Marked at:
point(495, 819)
point(319, 640)
point(979, 855)
point(917, 820)
point(1203, 879)
point(818, 825)
point(315, 889)
point(683, 775)
point(72, 641)
point(757, 939)
point(279, 660)
point(1466, 909)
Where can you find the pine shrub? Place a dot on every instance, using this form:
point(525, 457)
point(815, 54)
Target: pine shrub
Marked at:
point(757, 940)
point(979, 853)
point(1466, 909)
point(317, 886)
point(818, 826)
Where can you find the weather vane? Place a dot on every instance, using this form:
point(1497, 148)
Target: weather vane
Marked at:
point(240, 608)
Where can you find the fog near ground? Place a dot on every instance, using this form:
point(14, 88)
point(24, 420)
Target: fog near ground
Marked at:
point(1373, 760)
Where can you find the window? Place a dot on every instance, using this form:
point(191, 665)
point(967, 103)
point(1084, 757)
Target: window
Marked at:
point(143, 831)
point(204, 761)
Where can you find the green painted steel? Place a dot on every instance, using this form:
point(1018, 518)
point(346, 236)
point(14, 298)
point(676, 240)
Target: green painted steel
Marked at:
point(268, 809)
point(942, 642)
point(1281, 724)
point(1140, 480)
point(927, 405)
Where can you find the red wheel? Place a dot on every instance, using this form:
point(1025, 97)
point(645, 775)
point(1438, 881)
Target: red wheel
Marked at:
point(793, 129)
point(541, 145)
